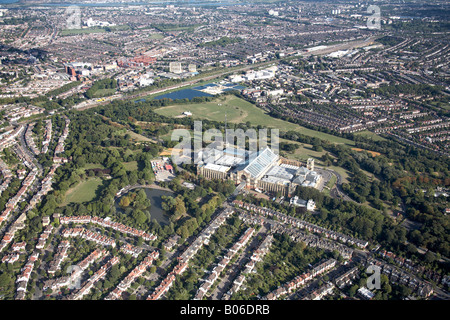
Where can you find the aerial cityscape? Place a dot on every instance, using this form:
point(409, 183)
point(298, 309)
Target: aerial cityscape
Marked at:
point(225, 150)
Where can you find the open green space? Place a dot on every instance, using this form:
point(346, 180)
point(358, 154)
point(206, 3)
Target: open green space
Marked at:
point(370, 135)
point(304, 152)
point(88, 166)
point(156, 36)
point(85, 191)
point(238, 110)
point(103, 93)
point(131, 166)
point(332, 181)
point(343, 172)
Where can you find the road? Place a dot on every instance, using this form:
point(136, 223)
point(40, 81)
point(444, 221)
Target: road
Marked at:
point(336, 191)
point(29, 153)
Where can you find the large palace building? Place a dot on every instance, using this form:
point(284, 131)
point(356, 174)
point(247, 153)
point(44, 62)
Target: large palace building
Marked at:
point(262, 170)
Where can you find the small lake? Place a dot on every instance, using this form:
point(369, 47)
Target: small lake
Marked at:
point(156, 210)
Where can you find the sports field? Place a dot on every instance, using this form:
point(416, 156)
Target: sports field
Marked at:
point(238, 110)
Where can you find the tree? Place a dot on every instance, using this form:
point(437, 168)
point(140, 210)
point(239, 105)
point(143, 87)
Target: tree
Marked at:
point(387, 288)
point(124, 202)
point(6, 284)
point(405, 291)
point(114, 274)
point(352, 290)
point(139, 216)
point(411, 249)
point(429, 257)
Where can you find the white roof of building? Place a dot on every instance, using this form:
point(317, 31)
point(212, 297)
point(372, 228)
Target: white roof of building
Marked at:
point(276, 180)
point(365, 292)
point(217, 167)
point(229, 160)
point(282, 172)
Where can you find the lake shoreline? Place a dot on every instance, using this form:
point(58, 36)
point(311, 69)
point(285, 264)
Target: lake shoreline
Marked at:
point(154, 194)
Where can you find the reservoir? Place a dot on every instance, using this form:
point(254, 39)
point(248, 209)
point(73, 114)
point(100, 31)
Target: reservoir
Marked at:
point(184, 94)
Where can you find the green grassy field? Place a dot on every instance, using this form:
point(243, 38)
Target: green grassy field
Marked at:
point(88, 166)
point(344, 173)
point(83, 192)
point(304, 152)
point(238, 111)
point(156, 36)
point(131, 166)
point(370, 135)
point(330, 185)
point(103, 93)
point(93, 166)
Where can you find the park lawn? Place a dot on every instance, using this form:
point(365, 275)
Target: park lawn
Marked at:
point(332, 182)
point(88, 166)
point(93, 166)
point(156, 36)
point(330, 185)
point(239, 111)
point(304, 152)
point(344, 173)
point(138, 137)
point(370, 135)
point(131, 166)
point(122, 27)
point(85, 191)
point(103, 92)
point(134, 136)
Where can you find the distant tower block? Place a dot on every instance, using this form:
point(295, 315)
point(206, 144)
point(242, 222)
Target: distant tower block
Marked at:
point(192, 68)
point(175, 67)
point(310, 164)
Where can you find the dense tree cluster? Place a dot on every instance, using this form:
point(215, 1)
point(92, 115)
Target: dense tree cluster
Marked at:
point(100, 84)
